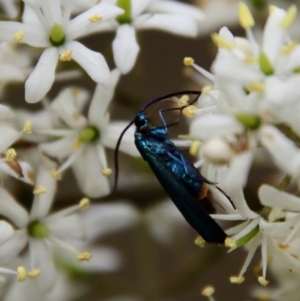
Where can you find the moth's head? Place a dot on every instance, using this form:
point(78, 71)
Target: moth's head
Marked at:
point(141, 122)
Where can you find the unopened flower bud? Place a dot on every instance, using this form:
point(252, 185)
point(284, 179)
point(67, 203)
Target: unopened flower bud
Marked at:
point(217, 151)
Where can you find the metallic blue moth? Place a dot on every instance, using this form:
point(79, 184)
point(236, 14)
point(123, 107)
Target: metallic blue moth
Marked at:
point(180, 179)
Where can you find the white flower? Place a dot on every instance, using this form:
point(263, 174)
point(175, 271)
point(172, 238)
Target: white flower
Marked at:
point(171, 16)
point(248, 98)
point(82, 140)
point(46, 24)
point(101, 221)
point(9, 162)
point(41, 230)
point(164, 221)
point(14, 64)
point(63, 290)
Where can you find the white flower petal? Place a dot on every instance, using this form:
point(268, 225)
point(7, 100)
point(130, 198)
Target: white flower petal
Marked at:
point(8, 136)
point(80, 25)
point(87, 169)
point(164, 221)
point(238, 199)
point(42, 259)
point(6, 232)
point(11, 249)
point(278, 230)
point(11, 73)
point(92, 62)
point(111, 134)
point(101, 99)
point(208, 126)
point(112, 218)
point(175, 7)
point(12, 210)
point(222, 200)
point(273, 34)
point(125, 48)
point(138, 6)
point(42, 203)
point(238, 170)
point(41, 79)
point(33, 36)
point(285, 153)
point(103, 260)
point(277, 88)
point(60, 148)
point(285, 257)
point(68, 227)
point(65, 107)
point(272, 197)
point(177, 24)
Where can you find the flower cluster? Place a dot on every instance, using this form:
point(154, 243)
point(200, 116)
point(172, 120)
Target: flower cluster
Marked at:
point(250, 110)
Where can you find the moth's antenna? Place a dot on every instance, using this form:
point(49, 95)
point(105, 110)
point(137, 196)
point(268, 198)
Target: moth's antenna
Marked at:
point(168, 96)
point(116, 161)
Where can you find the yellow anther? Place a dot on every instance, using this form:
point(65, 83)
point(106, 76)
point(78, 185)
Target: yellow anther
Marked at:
point(221, 42)
point(18, 36)
point(230, 243)
point(188, 61)
point(106, 171)
point(189, 111)
point(200, 242)
point(272, 8)
point(295, 256)
point(206, 89)
point(183, 101)
point(33, 273)
point(284, 247)
point(39, 190)
point(84, 203)
point(286, 49)
point(250, 59)
point(84, 256)
point(263, 281)
point(56, 175)
point(245, 17)
point(21, 274)
point(27, 128)
point(66, 56)
point(194, 148)
point(95, 18)
point(237, 280)
point(208, 291)
point(289, 18)
point(10, 155)
point(76, 144)
point(256, 86)
point(76, 91)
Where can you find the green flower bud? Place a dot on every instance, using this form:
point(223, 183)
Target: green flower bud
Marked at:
point(57, 35)
point(265, 64)
point(88, 134)
point(38, 230)
point(126, 16)
point(250, 121)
